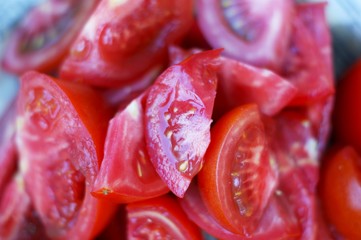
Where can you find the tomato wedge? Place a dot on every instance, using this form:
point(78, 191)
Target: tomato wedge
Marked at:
point(255, 32)
point(160, 218)
point(124, 39)
point(43, 38)
point(238, 177)
point(178, 117)
point(61, 129)
point(295, 150)
point(240, 83)
point(306, 66)
point(340, 190)
point(126, 173)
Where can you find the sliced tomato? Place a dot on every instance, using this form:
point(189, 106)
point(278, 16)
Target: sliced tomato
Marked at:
point(43, 38)
point(124, 39)
point(178, 118)
point(60, 135)
point(340, 191)
point(346, 116)
point(306, 66)
point(240, 83)
point(126, 173)
point(298, 143)
point(296, 153)
point(160, 218)
point(255, 32)
point(238, 177)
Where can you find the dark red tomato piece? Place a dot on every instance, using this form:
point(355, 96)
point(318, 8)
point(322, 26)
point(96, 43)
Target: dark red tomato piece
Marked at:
point(160, 218)
point(178, 118)
point(126, 173)
point(61, 128)
point(240, 83)
point(306, 67)
point(43, 38)
point(340, 191)
point(238, 177)
point(117, 227)
point(347, 116)
point(255, 32)
point(124, 39)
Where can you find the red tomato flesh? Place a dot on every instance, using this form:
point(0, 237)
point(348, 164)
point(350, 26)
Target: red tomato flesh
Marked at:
point(178, 117)
point(160, 218)
point(238, 177)
point(60, 139)
point(126, 173)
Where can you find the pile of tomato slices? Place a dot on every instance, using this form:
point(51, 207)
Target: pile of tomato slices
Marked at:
point(158, 119)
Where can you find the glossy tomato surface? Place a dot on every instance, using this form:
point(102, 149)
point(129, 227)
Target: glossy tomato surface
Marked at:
point(60, 140)
point(340, 191)
point(346, 116)
point(255, 32)
point(160, 218)
point(43, 38)
point(124, 39)
point(178, 117)
point(238, 177)
point(126, 173)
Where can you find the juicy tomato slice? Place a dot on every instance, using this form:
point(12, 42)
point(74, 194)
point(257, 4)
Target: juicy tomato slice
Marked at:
point(255, 32)
point(124, 39)
point(238, 176)
point(160, 218)
point(346, 116)
point(306, 66)
point(60, 133)
point(178, 117)
point(240, 83)
point(296, 153)
point(297, 141)
point(43, 38)
point(126, 173)
point(340, 191)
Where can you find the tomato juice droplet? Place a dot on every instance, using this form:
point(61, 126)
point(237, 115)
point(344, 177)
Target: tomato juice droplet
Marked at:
point(81, 50)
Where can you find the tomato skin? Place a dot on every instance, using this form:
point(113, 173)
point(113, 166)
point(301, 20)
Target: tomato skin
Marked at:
point(259, 41)
point(237, 155)
point(39, 25)
point(51, 109)
point(125, 152)
point(340, 190)
point(178, 117)
point(346, 116)
point(123, 40)
point(167, 220)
